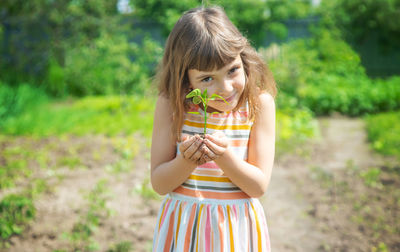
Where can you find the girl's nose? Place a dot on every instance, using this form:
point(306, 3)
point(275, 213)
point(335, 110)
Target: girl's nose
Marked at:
point(225, 87)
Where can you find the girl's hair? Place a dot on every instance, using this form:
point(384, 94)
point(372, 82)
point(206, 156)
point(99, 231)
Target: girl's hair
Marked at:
point(205, 39)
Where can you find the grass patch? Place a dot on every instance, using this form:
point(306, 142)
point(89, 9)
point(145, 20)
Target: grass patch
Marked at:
point(14, 166)
point(384, 133)
point(16, 211)
point(124, 246)
point(294, 127)
point(109, 115)
point(146, 191)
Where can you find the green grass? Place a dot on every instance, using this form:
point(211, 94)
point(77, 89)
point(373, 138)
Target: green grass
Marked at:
point(109, 115)
point(293, 127)
point(16, 211)
point(146, 191)
point(124, 246)
point(384, 133)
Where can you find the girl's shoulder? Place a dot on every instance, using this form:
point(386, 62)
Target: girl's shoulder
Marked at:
point(266, 112)
point(266, 99)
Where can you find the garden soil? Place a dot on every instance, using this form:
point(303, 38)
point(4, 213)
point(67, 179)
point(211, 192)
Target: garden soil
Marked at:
point(308, 205)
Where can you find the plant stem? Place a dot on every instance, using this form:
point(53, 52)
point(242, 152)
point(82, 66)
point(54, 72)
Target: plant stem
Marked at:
point(205, 119)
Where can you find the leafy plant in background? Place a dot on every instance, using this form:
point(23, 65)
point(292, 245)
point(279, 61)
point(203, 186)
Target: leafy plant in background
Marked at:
point(384, 133)
point(325, 74)
point(115, 66)
point(15, 100)
point(359, 20)
point(31, 39)
point(16, 211)
point(198, 97)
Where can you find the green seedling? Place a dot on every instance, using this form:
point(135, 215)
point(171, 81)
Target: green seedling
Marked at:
point(198, 97)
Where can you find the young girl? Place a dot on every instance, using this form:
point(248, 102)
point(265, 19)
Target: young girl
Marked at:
point(213, 182)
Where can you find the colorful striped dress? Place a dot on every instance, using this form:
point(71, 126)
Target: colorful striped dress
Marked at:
point(208, 212)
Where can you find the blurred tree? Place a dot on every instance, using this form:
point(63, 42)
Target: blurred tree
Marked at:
point(37, 30)
point(357, 19)
point(252, 17)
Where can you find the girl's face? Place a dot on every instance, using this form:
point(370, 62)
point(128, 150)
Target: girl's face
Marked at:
point(228, 82)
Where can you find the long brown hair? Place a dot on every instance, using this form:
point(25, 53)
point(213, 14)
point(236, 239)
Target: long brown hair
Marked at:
point(205, 39)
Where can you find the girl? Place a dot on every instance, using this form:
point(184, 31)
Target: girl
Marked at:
point(213, 182)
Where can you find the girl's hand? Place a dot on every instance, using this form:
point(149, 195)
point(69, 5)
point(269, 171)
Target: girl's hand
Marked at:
point(217, 144)
point(192, 148)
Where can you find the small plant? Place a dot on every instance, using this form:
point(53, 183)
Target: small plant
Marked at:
point(198, 97)
point(145, 191)
point(124, 246)
point(16, 211)
point(372, 177)
point(83, 231)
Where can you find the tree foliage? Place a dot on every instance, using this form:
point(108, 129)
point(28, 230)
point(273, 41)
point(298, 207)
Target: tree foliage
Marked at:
point(35, 31)
point(252, 17)
point(357, 19)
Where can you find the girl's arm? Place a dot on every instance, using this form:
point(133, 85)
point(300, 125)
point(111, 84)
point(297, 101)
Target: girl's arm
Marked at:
point(254, 175)
point(168, 170)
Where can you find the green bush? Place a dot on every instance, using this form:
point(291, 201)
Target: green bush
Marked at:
point(55, 80)
point(15, 212)
point(384, 132)
point(294, 125)
point(111, 65)
point(326, 75)
point(357, 98)
point(15, 100)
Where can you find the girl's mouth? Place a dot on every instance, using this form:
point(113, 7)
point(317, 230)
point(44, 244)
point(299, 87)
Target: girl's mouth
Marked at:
point(229, 99)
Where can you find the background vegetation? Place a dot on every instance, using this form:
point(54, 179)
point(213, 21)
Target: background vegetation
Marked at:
point(81, 68)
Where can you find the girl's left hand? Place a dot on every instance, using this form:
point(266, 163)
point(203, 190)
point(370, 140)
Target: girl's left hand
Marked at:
point(217, 144)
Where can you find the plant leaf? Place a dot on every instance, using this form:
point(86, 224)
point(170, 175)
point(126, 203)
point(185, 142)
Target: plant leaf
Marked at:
point(193, 93)
point(196, 100)
point(204, 95)
point(197, 113)
point(214, 96)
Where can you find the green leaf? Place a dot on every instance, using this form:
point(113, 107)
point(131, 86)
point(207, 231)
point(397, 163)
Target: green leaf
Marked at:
point(204, 95)
point(215, 96)
point(197, 113)
point(193, 93)
point(196, 100)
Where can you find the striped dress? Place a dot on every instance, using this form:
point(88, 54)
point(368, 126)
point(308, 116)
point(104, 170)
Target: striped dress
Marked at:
point(208, 212)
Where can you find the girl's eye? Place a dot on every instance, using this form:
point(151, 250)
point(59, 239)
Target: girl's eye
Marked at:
point(233, 70)
point(207, 79)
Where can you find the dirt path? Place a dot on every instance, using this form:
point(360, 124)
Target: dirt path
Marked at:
point(296, 220)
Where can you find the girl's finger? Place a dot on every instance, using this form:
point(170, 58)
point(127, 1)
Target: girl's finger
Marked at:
point(193, 148)
point(197, 155)
point(185, 137)
point(218, 150)
point(204, 159)
point(221, 141)
point(186, 144)
point(210, 155)
point(207, 158)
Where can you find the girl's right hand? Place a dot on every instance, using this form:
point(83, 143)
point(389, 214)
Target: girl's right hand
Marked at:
point(192, 149)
